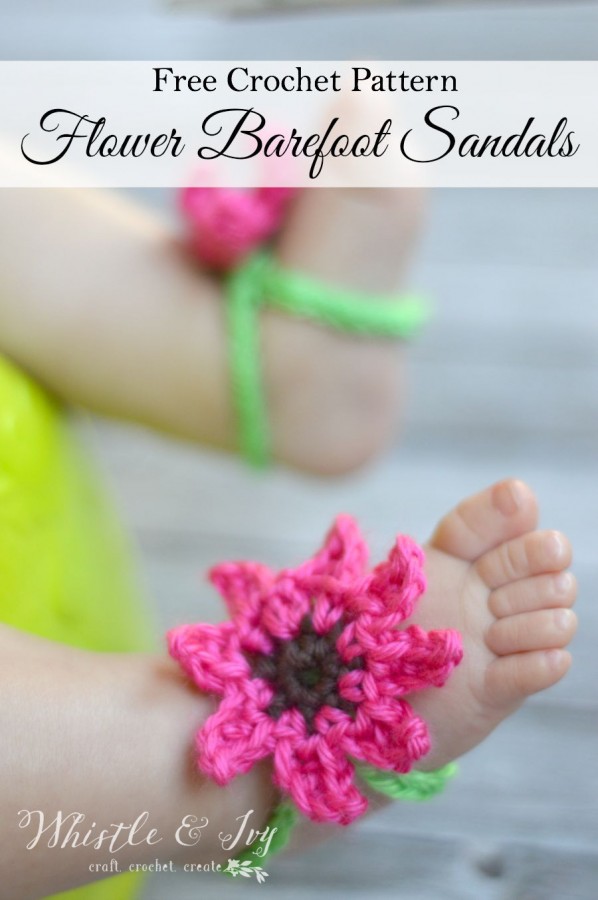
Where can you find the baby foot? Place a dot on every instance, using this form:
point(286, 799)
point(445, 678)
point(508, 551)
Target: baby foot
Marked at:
point(503, 585)
point(332, 396)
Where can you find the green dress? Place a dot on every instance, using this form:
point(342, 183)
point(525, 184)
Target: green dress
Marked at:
point(65, 568)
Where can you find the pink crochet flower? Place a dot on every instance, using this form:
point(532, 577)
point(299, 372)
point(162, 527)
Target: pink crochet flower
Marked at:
point(226, 224)
point(313, 671)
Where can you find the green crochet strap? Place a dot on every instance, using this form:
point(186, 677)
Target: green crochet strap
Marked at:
point(246, 376)
point(258, 282)
point(281, 822)
point(301, 295)
point(412, 785)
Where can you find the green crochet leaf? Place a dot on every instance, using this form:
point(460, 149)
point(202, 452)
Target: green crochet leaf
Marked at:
point(412, 785)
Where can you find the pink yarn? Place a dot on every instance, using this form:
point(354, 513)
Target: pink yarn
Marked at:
point(226, 224)
point(342, 619)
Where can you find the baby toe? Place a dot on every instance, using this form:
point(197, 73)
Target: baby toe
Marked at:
point(484, 521)
point(510, 679)
point(541, 630)
point(539, 592)
point(532, 554)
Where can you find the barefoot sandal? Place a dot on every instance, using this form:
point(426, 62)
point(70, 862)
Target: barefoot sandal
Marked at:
point(312, 671)
point(259, 282)
point(225, 229)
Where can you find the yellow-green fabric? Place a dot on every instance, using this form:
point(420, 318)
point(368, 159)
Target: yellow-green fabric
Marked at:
point(65, 567)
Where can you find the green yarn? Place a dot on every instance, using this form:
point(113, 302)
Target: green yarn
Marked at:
point(346, 310)
point(244, 297)
point(282, 821)
point(261, 282)
point(413, 786)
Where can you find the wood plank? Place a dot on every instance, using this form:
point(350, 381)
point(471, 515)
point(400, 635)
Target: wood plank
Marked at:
point(414, 867)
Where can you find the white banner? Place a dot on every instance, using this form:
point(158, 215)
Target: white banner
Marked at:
point(318, 124)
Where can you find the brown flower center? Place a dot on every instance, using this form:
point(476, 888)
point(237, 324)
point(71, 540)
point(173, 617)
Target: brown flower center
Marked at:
point(305, 672)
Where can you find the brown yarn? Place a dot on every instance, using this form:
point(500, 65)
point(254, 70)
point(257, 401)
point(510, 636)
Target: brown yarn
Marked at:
point(305, 673)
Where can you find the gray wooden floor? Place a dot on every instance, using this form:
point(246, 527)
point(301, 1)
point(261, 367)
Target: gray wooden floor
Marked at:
point(505, 381)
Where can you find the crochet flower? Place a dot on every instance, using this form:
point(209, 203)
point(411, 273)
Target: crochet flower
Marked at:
point(226, 224)
point(313, 671)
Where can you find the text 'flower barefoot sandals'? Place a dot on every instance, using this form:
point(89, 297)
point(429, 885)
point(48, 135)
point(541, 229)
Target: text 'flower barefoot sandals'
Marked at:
point(313, 672)
point(226, 227)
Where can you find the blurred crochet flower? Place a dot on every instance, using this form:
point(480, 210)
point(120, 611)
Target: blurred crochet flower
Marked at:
point(226, 224)
point(313, 671)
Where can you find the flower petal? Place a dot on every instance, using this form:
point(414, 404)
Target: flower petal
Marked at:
point(331, 602)
point(262, 605)
point(338, 572)
point(396, 584)
point(344, 554)
point(244, 586)
point(315, 773)
point(238, 734)
point(210, 655)
point(386, 733)
point(413, 659)
point(284, 607)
